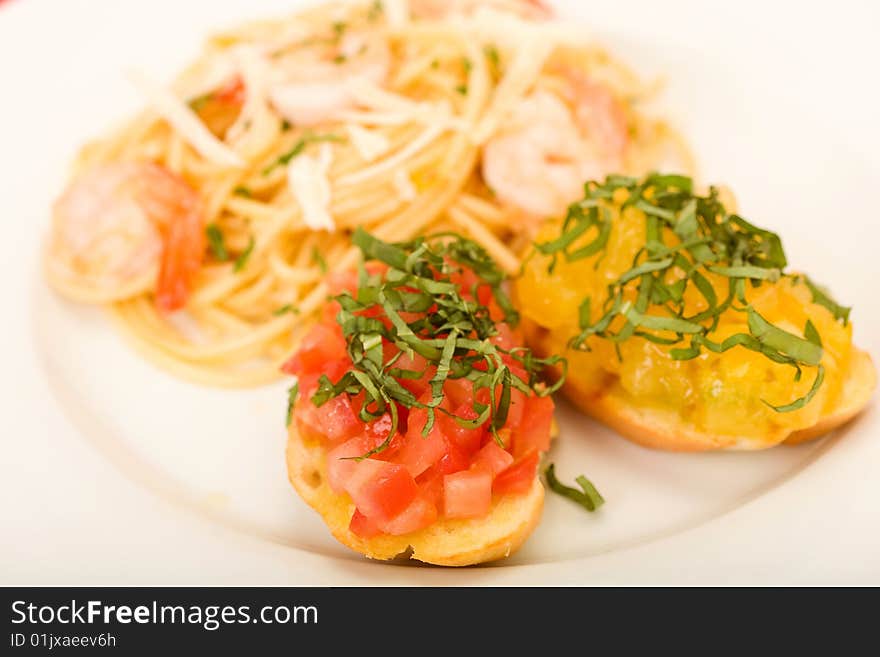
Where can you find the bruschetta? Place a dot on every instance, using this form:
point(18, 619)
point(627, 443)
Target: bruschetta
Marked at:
point(682, 328)
point(418, 418)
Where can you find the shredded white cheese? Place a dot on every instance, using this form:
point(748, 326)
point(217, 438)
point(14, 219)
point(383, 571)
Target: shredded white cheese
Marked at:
point(210, 75)
point(370, 145)
point(518, 79)
point(403, 185)
point(369, 94)
point(185, 121)
point(361, 117)
point(387, 108)
point(310, 186)
point(398, 158)
point(254, 72)
point(308, 103)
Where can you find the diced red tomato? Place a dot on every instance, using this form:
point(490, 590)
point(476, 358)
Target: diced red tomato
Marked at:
point(459, 392)
point(439, 447)
point(519, 477)
point(419, 514)
point(334, 369)
point(340, 465)
point(515, 409)
point(454, 459)
point(467, 494)
point(465, 279)
point(381, 490)
point(306, 417)
point(492, 458)
point(516, 369)
point(232, 92)
point(495, 311)
point(467, 439)
point(335, 420)
point(338, 419)
point(307, 383)
point(419, 453)
point(330, 311)
point(341, 281)
point(323, 344)
point(504, 435)
point(219, 110)
point(517, 398)
point(418, 417)
point(431, 486)
point(507, 338)
point(484, 294)
point(362, 526)
point(378, 431)
point(347, 280)
point(533, 430)
point(412, 363)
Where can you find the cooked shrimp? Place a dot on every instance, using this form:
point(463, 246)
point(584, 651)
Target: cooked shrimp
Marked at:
point(547, 149)
point(117, 226)
point(602, 118)
point(535, 163)
point(314, 81)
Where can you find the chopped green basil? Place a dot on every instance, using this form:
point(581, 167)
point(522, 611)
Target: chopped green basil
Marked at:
point(588, 497)
point(244, 256)
point(216, 242)
point(425, 313)
point(706, 239)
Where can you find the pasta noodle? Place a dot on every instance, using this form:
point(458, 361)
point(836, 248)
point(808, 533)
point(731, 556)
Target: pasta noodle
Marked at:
point(409, 100)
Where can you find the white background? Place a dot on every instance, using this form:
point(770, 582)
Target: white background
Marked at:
point(795, 83)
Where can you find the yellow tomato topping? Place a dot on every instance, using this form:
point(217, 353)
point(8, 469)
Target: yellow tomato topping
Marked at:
point(650, 224)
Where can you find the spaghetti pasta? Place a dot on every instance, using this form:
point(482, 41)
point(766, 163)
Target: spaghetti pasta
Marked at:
point(294, 132)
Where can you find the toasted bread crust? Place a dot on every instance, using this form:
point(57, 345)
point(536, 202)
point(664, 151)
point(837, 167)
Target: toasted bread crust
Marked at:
point(857, 391)
point(663, 429)
point(445, 543)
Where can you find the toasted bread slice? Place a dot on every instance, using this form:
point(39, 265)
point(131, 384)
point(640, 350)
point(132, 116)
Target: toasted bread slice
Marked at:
point(445, 543)
point(856, 393)
point(664, 429)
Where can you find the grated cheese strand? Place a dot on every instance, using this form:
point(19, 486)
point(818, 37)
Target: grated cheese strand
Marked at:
point(310, 186)
point(186, 122)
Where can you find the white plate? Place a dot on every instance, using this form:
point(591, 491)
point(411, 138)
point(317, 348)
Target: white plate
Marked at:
point(114, 472)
